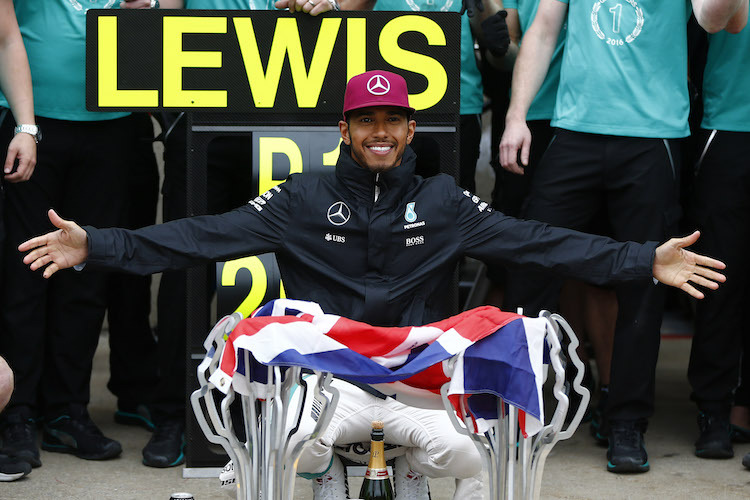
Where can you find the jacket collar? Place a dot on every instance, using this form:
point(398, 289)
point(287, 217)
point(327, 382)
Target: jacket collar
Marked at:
point(361, 182)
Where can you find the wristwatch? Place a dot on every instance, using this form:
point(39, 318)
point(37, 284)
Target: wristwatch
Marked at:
point(32, 130)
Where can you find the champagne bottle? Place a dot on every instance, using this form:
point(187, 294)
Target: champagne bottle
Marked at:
point(377, 485)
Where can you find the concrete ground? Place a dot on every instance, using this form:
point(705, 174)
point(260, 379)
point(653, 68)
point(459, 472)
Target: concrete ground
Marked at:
point(575, 469)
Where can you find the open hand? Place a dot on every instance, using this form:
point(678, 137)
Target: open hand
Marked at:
point(61, 249)
point(680, 268)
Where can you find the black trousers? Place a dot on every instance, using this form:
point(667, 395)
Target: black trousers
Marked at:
point(511, 189)
point(229, 186)
point(132, 346)
point(635, 181)
point(722, 213)
point(50, 328)
point(742, 394)
point(429, 162)
point(470, 137)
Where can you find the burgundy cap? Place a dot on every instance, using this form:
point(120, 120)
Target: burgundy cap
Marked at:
point(376, 88)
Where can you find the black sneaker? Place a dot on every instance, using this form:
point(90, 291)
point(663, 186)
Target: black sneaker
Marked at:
point(19, 436)
point(12, 468)
point(134, 414)
point(78, 435)
point(626, 451)
point(715, 439)
point(746, 460)
point(167, 446)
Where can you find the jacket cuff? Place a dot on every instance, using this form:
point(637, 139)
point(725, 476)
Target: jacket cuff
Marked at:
point(96, 245)
point(646, 257)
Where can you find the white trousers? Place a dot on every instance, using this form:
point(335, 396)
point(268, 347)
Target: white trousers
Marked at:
point(432, 445)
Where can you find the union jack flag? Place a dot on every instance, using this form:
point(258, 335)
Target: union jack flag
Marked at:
point(482, 354)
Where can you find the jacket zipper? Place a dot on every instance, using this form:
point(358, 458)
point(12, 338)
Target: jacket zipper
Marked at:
point(377, 188)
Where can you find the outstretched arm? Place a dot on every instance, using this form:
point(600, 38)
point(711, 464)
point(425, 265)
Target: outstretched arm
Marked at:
point(61, 249)
point(257, 227)
point(681, 268)
point(493, 237)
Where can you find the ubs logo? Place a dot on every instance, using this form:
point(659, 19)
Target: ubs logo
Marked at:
point(339, 213)
point(378, 85)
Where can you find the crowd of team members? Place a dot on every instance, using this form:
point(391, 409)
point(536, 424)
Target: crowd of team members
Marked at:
point(595, 139)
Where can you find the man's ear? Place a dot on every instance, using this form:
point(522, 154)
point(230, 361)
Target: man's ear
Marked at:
point(410, 134)
point(344, 128)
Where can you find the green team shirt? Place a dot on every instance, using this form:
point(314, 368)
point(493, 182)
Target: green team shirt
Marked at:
point(472, 98)
point(54, 33)
point(230, 4)
point(543, 105)
point(726, 82)
point(624, 70)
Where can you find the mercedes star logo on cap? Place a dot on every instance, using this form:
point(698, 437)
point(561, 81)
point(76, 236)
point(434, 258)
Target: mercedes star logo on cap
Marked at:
point(339, 213)
point(378, 85)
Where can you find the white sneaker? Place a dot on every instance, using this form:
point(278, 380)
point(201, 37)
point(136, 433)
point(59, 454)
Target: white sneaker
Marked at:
point(332, 484)
point(409, 485)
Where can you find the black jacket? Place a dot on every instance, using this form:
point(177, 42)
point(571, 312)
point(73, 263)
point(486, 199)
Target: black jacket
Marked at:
point(380, 249)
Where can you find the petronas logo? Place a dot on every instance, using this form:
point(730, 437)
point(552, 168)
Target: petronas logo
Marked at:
point(410, 215)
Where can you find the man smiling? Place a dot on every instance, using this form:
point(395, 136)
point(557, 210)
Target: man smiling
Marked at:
point(375, 243)
point(379, 110)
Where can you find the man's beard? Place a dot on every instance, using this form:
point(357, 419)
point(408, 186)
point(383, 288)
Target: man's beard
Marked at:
point(377, 169)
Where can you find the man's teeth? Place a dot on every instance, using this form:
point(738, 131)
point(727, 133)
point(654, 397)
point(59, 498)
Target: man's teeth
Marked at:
point(380, 149)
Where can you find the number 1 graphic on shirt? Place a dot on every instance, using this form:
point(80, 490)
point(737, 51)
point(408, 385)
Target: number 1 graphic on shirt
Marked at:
point(616, 11)
point(616, 16)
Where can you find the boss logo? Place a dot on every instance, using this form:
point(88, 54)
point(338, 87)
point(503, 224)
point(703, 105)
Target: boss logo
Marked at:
point(415, 240)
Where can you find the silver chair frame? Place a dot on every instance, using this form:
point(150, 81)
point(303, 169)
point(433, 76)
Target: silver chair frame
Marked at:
point(513, 463)
point(265, 466)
